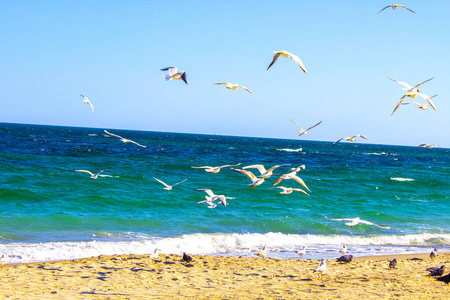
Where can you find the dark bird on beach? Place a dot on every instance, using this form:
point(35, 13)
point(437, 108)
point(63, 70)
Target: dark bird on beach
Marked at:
point(186, 258)
point(433, 253)
point(392, 264)
point(445, 278)
point(345, 258)
point(435, 271)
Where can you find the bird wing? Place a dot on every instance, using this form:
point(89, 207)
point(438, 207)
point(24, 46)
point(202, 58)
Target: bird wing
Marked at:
point(224, 83)
point(113, 134)
point(166, 69)
point(230, 165)
point(370, 223)
point(260, 168)
point(338, 141)
point(383, 9)
point(275, 57)
point(246, 173)
point(278, 180)
point(243, 87)
point(160, 181)
point(301, 191)
point(277, 166)
point(137, 144)
point(208, 191)
point(402, 83)
point(179, 182)
point(401, 5)
point(405, 103)
point(313, 126)
point(301, 128)
point(298, 61)
point(429, 101)
point(89, 102)
point(101, 172)
point(184, 77)
point(86, 171)
point(85, 98)
point(299, 180)
point(417, 85)
point(339, 219)
point(359, 135)
point(398, 104)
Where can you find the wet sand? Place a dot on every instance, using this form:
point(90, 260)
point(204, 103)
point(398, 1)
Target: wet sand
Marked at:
point(212, 277)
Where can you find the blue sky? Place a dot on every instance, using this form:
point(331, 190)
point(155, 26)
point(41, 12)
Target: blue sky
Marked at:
point(112, 52)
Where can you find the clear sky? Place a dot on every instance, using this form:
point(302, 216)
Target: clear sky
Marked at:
point(112, 52)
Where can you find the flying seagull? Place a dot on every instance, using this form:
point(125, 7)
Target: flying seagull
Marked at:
point(166, 186)
point(350, 139)
point(302, 131)
point(287, 55)
point(421, 106)
point(212, 197)
point(86, 101)
point(292, 175)
point(124, 139)
point(264, 173)
point(214, 169)
point(352, 222)
point(175, 75)
point(255, 180)
point(412, 91)
point(286, 190)
point(429, 146)
point(394, 6)
point(233, 86)
point(93, 176)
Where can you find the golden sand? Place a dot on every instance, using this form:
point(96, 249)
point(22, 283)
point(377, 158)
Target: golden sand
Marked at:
point(211, 277)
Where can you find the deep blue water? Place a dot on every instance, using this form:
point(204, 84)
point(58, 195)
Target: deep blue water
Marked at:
point(50, 211)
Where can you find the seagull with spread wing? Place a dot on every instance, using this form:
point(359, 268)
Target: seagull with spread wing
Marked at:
point(86, 101)
point(352, 222)
point(212, 197)
point(124, 139)
point(264, 173)
point(233, 86)
point(293, 175)
point(287, 55)
point(287, 191)
point(412, 92)
point(214, 169)
point(302, 131)
point(175, 75)
point(255, 180)
point(166, 186)
point(394, 6)
point(350, 139)
point(93, 176)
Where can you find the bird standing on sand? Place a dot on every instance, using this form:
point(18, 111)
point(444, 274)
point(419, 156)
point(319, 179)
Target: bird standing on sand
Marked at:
point(93, 176)
point(435, 271)
point(287, 55)
point(86, 101)
point(289, 190)
point(344, 249)
point(155, 255)
point(214, 169)
point(394, 6)
point(263, 252)
point(175, 75)
point(124, 139)
point(166, 186)
point(445, 278)
point(302, 252)
point(233, 86)
point(345, 258)
point(350, 139)
point(352, 222)
point(302, 131)
point(186, 258)
point(321, 268)
point(392, 264)
point(434, 253)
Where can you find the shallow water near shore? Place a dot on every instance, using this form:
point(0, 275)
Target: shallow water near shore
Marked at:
point(50, 212)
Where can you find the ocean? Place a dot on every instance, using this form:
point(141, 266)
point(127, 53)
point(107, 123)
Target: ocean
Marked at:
point(49, 211)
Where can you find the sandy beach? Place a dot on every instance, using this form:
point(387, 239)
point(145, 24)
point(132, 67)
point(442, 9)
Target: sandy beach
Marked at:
point(212, 277)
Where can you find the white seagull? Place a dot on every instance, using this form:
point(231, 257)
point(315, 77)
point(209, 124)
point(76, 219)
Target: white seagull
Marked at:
point(175, 75)
point(212, 197)
point(287, 55)
point(350, 139)
point(286, 190)
point(155, 255)
point(263, 252)
point(412, 91)
point(293, 175)
point(394, 6)
point(421, 106)
point(124, 139)
point(233, 86)
point(214, 169)
point(264, 173)
point(93, 176)
point(352, 222)
point(86, 101)
point(302, 131)
point(166, 186)
point(344, 249)
point(255, 180)
point(302, 252)
point(321, 268)
point(429, 146)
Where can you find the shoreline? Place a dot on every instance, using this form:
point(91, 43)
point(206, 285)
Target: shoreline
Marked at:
point(218, 277)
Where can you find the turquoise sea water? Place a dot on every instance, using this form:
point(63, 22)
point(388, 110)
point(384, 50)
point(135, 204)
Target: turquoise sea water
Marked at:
point(49, 211)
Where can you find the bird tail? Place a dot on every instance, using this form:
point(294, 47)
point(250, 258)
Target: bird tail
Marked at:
point(166, 77)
